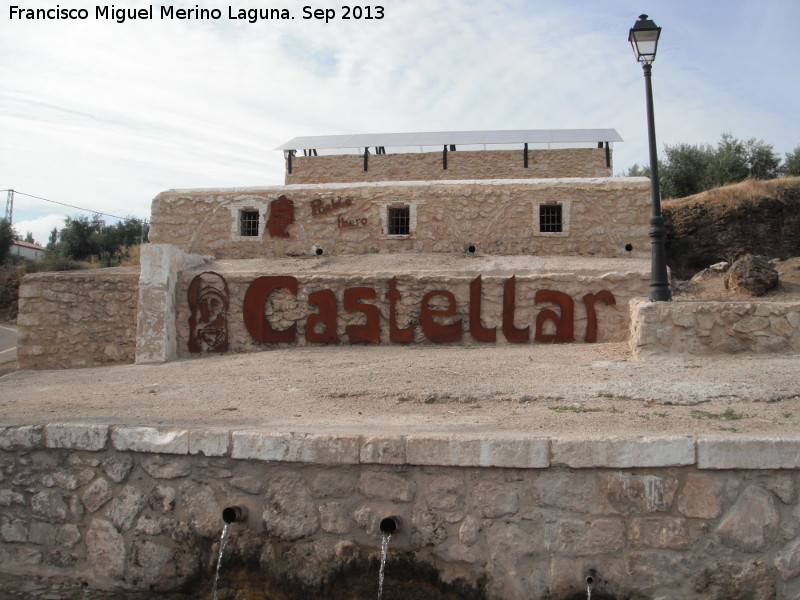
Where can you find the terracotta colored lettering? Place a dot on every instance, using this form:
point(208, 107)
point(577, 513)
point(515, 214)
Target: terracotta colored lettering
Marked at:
point(208, 298)
point(255, 298)
point(511, 332)
point(476, 328)
point(589, 301)
point(564, 323)
point(369, 332)
point(436, 332)
point(325, 300)
point(402, 336)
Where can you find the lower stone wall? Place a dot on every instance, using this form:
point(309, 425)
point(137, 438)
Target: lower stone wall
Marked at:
point(137, 508)
point(714, 327)
point(77, 318)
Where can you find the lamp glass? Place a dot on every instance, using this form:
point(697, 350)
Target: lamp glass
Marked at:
point(644, 39)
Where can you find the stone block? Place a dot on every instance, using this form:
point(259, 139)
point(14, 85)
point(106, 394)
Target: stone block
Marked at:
point(151, 439)
point(76, 436)
point(290, 512)
point(495, 499)
point(13, 530)
point(752, 522)
point(334, 518)
point(623, 453)
point(97, 494)
point(580, 537)
point(701, 497)
point(49, 505)
point(787, 561)
point(385, 450)
point(630, 493)
point(209, 442)
point(118, 467)
point(660, 532)
point(461, 451)
point(25, 437)
point(125, 507)
point(105, 549)
point(386, 486)
point(295, 447)
point(719, 452)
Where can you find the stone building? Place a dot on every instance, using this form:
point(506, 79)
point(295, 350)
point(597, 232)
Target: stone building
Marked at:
point(455, 237)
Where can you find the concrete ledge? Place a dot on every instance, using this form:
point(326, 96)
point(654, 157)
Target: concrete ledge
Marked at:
point(25, 437)
point(582, 453)
point(295, 447)
point(515, 451)
point(748, 453)
point(463, 451)
point(151, 439)
point(76, 436)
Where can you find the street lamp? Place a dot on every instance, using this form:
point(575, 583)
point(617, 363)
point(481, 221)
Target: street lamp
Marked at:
point(644, 39)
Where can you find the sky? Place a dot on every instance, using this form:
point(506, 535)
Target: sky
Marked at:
point(104, 115)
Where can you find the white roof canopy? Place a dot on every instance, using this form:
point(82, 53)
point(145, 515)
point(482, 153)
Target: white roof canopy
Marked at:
point(441, 138)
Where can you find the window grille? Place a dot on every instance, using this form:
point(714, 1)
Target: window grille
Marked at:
point(550, 218)
point(399, 220)
point(248, 223)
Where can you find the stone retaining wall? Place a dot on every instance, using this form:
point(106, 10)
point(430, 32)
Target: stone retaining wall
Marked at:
point(139, 508)
point(472, 164)
point(77, 318)
point(605, 217)
point(714, 327)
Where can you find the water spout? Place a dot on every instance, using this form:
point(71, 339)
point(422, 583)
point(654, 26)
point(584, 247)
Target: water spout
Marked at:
point(234, 514)
point(390, 525)
point(589, 584)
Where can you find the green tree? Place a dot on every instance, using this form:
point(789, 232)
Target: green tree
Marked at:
point(637, 170)
point(762, 160)
point(7, 237)
point(728, 163)
point(685, 170)
point(791, 164)
point(29, 238)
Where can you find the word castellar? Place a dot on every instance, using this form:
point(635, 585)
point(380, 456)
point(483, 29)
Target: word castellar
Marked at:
point(322, 326)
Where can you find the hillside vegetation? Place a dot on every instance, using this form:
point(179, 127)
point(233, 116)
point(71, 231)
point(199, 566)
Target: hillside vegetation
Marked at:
point(750, 217)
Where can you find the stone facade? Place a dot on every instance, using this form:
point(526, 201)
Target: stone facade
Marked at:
point(714, 327)
point(578, 299)
point(605, 217)
point(139, 508)
point(427, 166)
point(77, 319)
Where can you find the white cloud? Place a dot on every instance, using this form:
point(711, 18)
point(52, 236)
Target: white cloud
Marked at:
point(40, 227)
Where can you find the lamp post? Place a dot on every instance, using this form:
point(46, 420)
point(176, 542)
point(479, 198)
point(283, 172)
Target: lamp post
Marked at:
point(644, 39)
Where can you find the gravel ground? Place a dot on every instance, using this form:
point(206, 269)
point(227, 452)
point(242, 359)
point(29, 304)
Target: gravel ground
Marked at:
point(575, 389)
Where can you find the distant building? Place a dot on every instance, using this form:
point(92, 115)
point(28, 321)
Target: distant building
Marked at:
point(27, 250)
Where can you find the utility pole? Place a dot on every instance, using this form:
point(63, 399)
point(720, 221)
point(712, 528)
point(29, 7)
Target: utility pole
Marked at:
point(10, 207)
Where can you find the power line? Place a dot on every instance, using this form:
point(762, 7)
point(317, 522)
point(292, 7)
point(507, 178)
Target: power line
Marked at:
point(89, 210)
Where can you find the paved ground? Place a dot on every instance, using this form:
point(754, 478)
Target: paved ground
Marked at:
point(575, 389)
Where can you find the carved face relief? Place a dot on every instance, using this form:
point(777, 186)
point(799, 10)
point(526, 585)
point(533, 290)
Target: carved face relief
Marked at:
point(281, 215)
point(208, 299)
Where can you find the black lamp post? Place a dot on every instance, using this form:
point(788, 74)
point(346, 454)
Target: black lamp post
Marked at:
point(644, 39)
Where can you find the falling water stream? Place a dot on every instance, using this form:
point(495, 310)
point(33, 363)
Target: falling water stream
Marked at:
point(384, 552)
point(222, 541)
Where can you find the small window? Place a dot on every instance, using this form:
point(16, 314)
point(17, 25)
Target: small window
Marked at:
point(399, 220)
point(550, 218)
point(248, 223)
